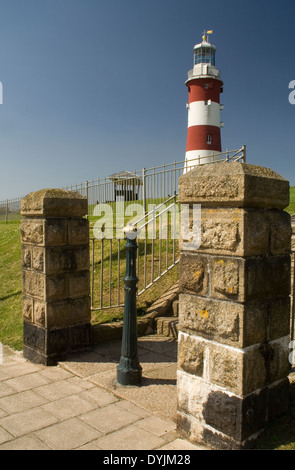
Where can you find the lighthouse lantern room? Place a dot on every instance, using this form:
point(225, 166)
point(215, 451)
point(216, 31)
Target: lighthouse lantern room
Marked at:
point(204, 87)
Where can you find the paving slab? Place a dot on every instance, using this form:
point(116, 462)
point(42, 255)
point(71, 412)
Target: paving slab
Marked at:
point(99, 396)
point(27, 381)
point(2, 413)
point(28, 442)
point(69, 407)
point(5, 435)
point(17, 370)
point(129, 438)
point(27, 421)
point(22, 401)
point(157, 356)
point(157, 425)
point(68, 434)
point(181, 444)
point(59, 389)
point(78, 404)
point(153, 395)
point(110, 418)
point(5, 390)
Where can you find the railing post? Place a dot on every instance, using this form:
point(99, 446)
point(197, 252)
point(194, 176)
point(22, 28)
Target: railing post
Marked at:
point(86, 194)
point(6, 215)
point(244, 153)
point(129, 371)
point(143, 190)
point(163, 194)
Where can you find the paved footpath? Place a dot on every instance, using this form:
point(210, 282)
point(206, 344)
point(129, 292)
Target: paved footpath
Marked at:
point(78, 405)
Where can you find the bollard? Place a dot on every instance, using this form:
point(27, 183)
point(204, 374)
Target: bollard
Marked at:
point(129, 369)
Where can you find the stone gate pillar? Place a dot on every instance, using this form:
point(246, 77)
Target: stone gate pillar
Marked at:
point(55, 270)
point(234, 306)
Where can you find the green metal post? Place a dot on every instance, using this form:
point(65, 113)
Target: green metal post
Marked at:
point(129, 371)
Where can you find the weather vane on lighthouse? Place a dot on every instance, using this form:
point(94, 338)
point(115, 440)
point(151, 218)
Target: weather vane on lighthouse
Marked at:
point(205, 34)
point(204, 87)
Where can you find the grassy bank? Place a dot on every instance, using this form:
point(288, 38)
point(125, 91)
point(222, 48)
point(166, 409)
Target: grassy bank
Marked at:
point(10, 285)
point(291, 207)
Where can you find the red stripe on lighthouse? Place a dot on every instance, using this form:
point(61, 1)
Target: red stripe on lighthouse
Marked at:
point(197, 138)
point(198, 92)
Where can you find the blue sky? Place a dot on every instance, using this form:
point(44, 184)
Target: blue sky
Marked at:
point(91, 87)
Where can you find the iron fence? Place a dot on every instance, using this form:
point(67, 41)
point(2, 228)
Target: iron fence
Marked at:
point(147, 186)
point(157, 254)
point(151, 194)
point(10, 210)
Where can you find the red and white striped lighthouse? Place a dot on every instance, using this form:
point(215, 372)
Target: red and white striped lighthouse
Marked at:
point(204, 88)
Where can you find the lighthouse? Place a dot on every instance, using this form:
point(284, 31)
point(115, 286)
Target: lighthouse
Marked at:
point(204, 87)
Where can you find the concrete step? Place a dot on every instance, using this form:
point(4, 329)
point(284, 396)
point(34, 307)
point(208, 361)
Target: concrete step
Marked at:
point(167, 326)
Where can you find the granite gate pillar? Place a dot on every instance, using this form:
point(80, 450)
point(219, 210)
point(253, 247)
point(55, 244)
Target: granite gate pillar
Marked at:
point(55, 270)
point(234, 306)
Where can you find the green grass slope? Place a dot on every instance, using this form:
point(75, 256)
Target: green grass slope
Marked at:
point(291, 206)
point(10, 286)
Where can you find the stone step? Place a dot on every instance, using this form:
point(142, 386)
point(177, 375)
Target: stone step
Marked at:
point(167, 326)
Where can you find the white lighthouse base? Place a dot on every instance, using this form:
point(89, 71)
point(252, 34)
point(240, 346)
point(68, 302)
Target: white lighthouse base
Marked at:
point(200, 157)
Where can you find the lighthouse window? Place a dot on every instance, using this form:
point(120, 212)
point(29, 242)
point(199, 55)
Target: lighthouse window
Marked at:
point(204, 55)
point(209, 139)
